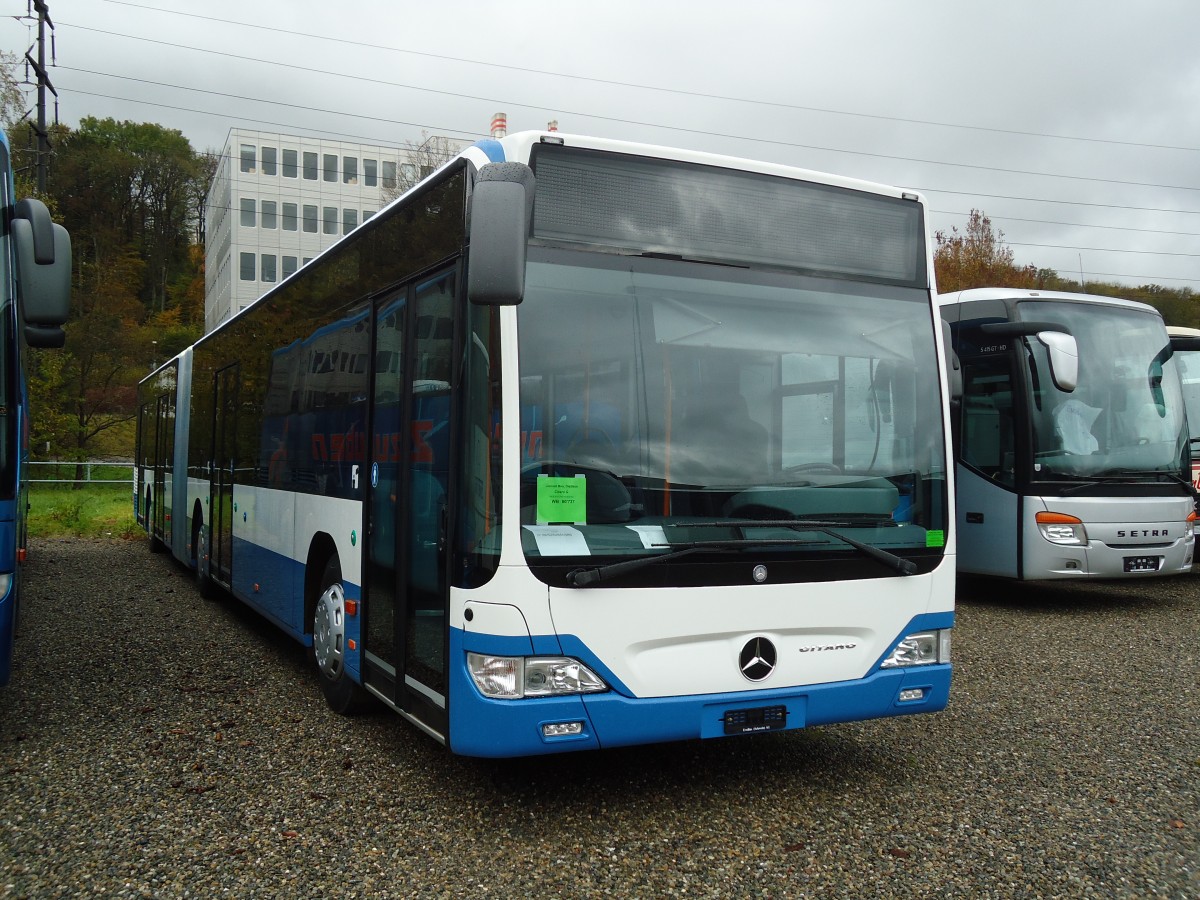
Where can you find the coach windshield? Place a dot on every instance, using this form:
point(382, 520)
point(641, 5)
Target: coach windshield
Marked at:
point(1124, 417)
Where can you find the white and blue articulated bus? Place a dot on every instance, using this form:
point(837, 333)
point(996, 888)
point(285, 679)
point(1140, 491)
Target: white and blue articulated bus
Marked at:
point(584, 444)
point(1070, 438)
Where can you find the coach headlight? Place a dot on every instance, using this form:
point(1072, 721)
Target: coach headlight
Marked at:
point(514, 677)
point(921, 649)
point(1059, 528)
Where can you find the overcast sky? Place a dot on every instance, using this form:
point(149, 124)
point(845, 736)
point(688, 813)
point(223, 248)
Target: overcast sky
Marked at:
point(1074, 125)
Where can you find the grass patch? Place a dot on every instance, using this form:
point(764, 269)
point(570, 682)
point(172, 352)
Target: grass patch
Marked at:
point(98, 510)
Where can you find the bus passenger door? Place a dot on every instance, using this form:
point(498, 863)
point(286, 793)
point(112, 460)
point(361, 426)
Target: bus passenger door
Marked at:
point(406, 589)
point(163, 447)
point(225, 391)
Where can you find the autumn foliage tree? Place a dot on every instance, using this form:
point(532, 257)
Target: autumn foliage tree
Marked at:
point(127, 193)
point(978, 257)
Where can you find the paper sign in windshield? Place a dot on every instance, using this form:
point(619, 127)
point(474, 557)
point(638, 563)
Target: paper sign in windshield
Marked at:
point(561, 500)
point(559, 540)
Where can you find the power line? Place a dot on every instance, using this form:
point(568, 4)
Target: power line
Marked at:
point(676, 91)
point(930, 190)
point(949, 212)
point(675, 128)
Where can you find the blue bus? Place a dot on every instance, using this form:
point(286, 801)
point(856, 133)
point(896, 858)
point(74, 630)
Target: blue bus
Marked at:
point(35, 289)
point(581, 444)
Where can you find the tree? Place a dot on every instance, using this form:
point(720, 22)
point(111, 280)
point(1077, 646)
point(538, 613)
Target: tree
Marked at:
point(979, 258)
point(12, 98)
point(423, 158)
point(126, 191)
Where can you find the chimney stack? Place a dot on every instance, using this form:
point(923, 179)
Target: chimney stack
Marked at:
point(499, 125)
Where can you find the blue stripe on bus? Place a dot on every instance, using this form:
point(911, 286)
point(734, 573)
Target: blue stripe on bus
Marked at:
point(492, 148)
point(499, 728)
point(280, 599)
point(8, 602)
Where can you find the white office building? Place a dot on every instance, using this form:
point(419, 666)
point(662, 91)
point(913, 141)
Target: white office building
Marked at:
point(277, 201)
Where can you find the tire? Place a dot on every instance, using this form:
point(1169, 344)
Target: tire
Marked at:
point(156, 546)
point(329, 643)
point(204, 584)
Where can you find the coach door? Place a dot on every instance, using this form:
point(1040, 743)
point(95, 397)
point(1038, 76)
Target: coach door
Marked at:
point(406, 591)
point(225, 395)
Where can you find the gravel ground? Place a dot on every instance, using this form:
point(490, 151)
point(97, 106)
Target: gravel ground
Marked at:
point(155, 744)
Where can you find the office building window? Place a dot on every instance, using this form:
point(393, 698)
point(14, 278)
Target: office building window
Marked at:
point(349, 220)
point(290, 216)
point(290, 167)
point(289, 266)
point(329, 220)
point(367, 213)
point(371, 172)
point(247, 157)
point(268, 209)
point(247, 212)
point(310, 219)
point(330, 167)
point(246, 261)
point(268, 160)
point(349, 170)
point(268, 267)
point(389, 175)
point(409, 171)
point(307, 260)
point(310, 166)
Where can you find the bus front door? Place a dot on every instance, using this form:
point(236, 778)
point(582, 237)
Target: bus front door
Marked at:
point(406, 591)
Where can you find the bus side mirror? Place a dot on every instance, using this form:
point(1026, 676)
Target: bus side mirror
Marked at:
point(501, 206)
point(954, 376)
point(1064, 358)
point(43, 254)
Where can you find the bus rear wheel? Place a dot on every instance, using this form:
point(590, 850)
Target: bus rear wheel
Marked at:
point(329, 645)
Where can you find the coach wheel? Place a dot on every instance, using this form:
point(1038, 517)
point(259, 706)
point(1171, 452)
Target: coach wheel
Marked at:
point(204, 584)
point(329, 645)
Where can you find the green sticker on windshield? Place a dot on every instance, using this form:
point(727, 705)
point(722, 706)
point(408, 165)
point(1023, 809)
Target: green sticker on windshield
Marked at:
point(561, 500)
point(935, 538)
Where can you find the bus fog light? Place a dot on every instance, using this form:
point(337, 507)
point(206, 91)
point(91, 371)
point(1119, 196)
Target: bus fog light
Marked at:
point(561, 729)
point(921, 649)
point(912, 694)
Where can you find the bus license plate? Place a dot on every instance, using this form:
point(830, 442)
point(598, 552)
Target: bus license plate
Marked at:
point(752, 721)
point(1142, 563)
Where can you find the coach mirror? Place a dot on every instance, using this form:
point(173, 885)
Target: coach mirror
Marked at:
point(1064, 359)
point(501, 204)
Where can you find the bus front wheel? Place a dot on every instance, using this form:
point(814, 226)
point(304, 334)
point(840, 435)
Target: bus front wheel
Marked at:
point(329, 645)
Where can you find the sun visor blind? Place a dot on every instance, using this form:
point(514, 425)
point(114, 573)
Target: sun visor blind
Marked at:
point(711, 213)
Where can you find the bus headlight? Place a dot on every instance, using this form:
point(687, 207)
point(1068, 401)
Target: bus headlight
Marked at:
point(1059, 528)
point(921, 649)
point(514, 677)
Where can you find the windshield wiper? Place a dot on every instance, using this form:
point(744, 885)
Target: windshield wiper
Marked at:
point(1123, 476)
point(896, 563)
point(584, 577)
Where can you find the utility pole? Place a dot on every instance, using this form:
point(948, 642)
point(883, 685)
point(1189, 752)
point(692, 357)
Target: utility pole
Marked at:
point(43, 82)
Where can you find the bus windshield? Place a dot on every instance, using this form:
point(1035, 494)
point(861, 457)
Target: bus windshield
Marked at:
point(1124, 416)
point(661, 398)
